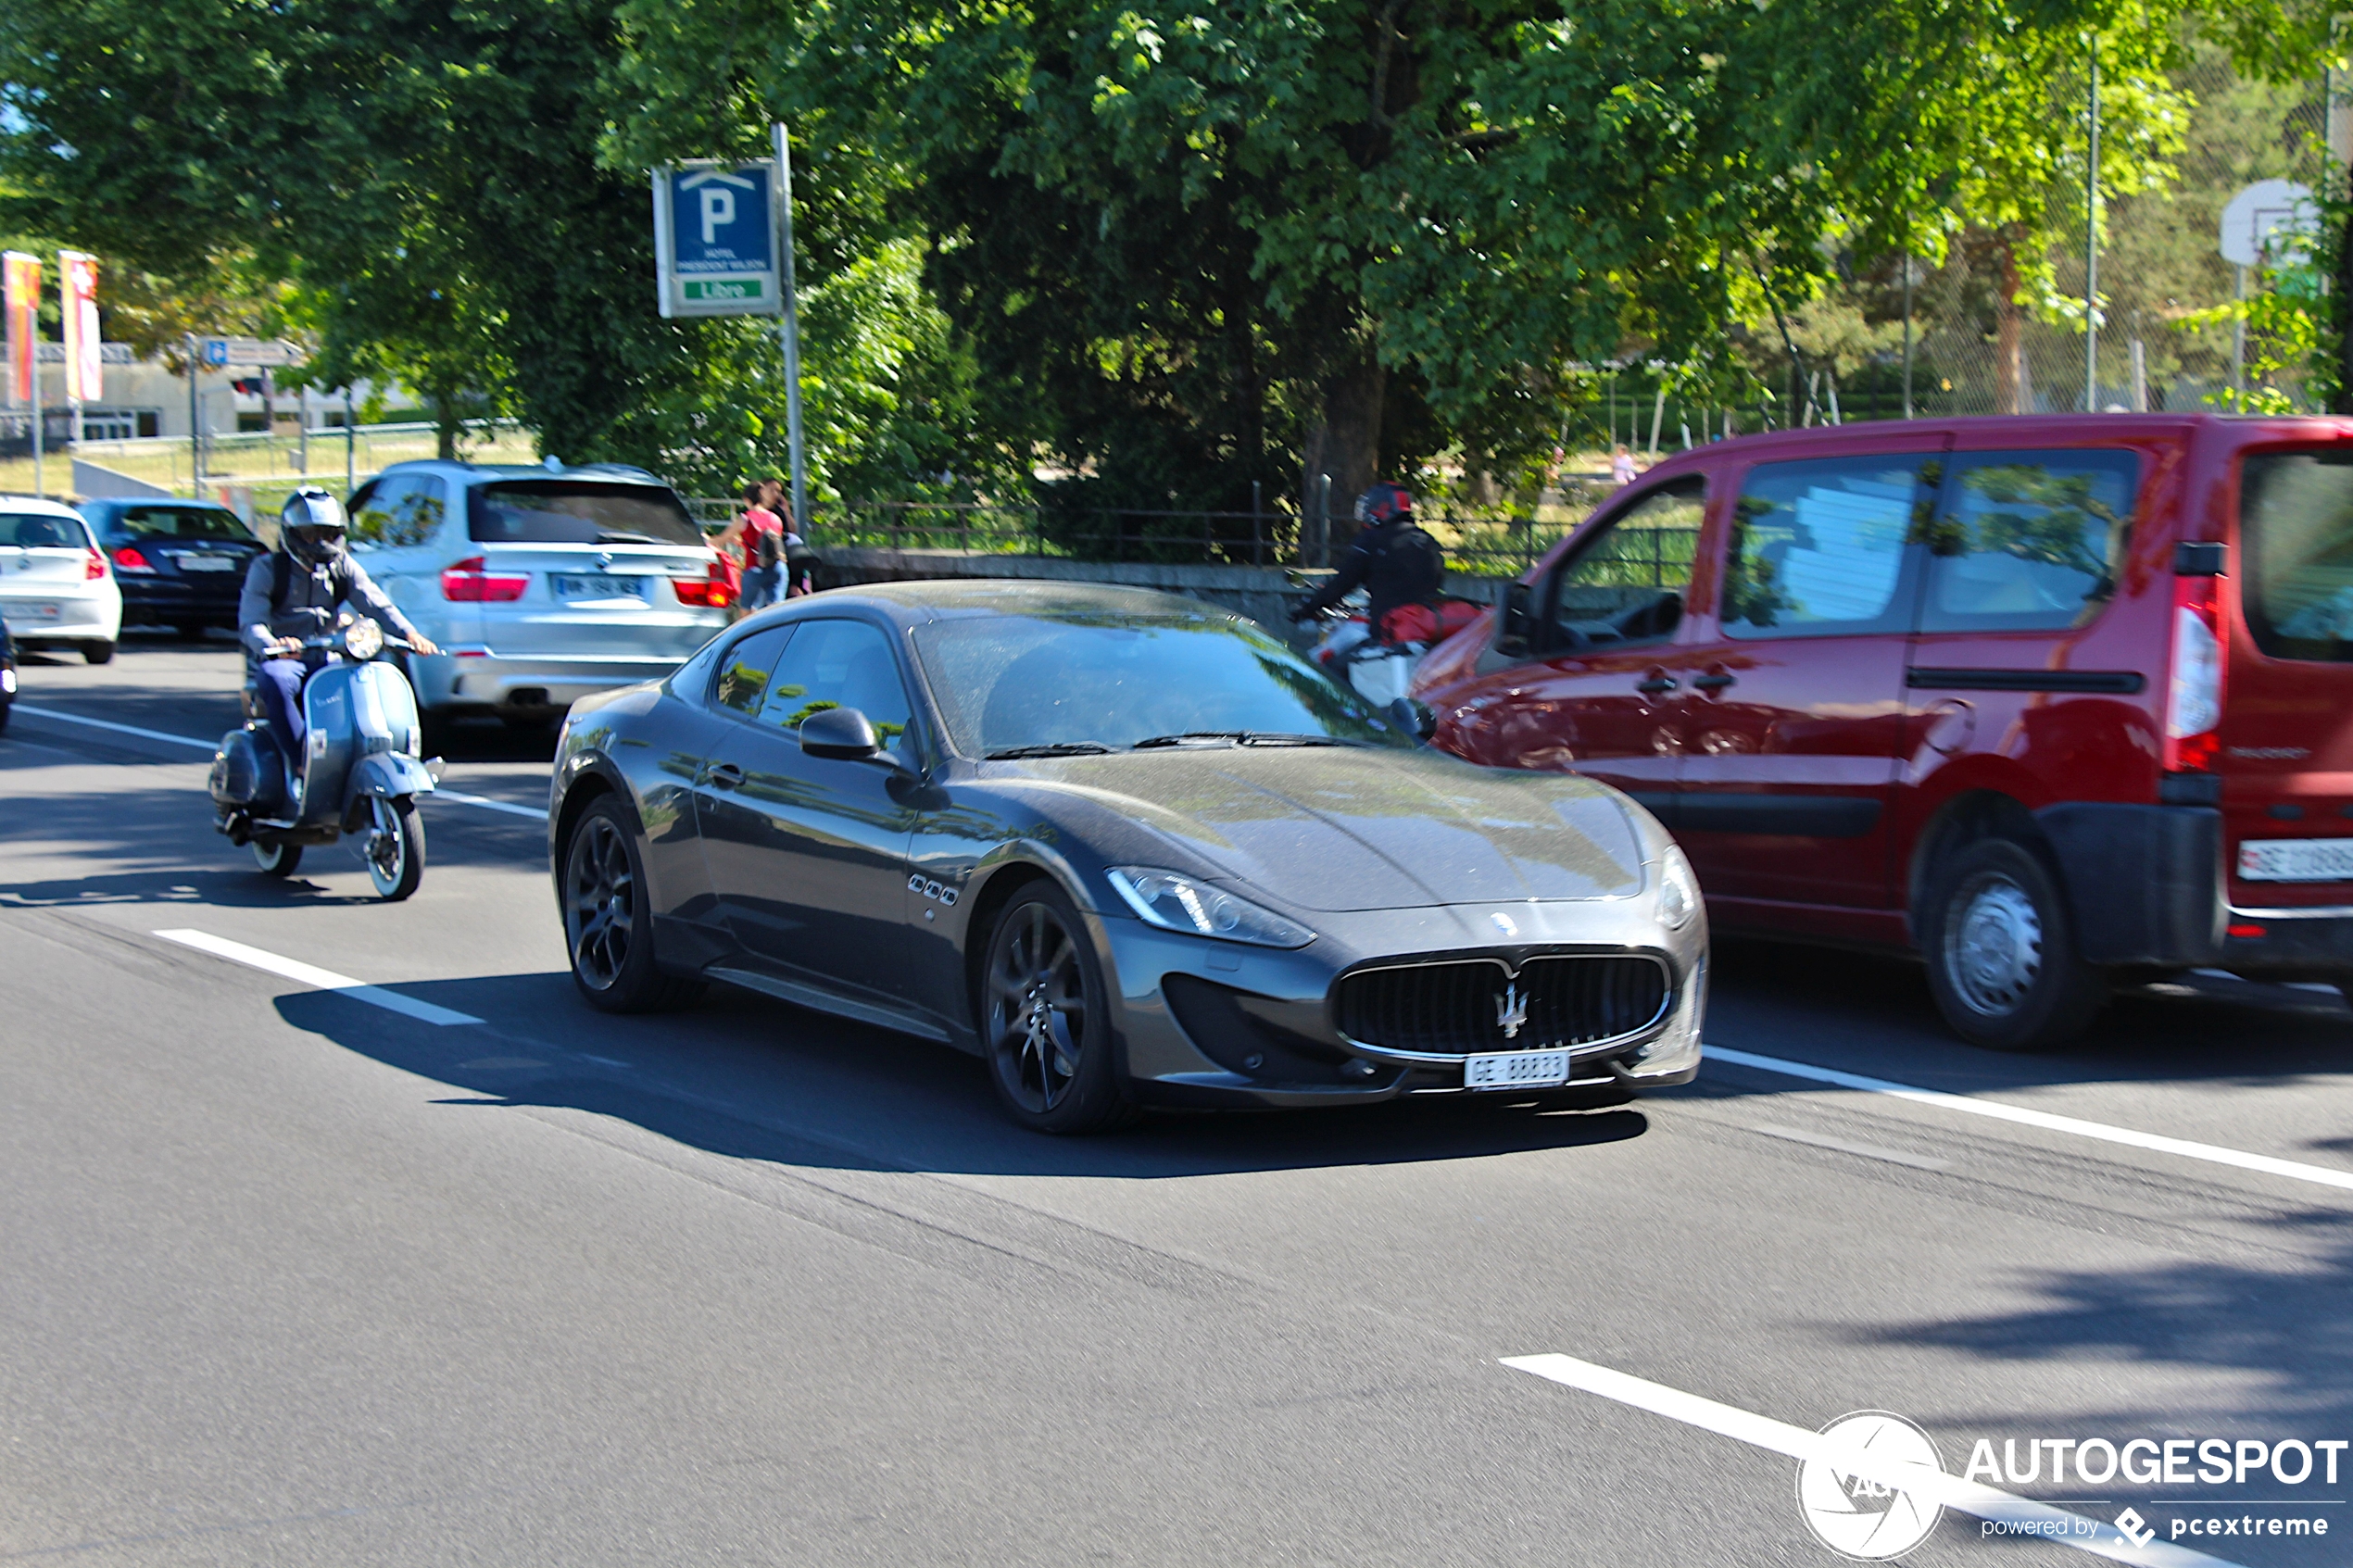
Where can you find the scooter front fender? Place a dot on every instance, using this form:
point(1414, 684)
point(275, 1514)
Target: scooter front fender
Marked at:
point(388, 773)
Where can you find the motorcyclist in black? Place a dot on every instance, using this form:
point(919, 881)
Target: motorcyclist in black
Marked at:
point(296, 594)
point(1392, 559)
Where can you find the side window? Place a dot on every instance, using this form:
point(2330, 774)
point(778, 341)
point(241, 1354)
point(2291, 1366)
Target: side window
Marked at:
point(1821, 548)
point(1627, 584)
point(743, 671)
point(839, 664)
point(399, 512)
point(2028, 541)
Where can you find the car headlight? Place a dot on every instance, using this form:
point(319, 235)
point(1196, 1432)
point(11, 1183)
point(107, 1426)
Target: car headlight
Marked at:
point(1677, 890)
point(1182, 903)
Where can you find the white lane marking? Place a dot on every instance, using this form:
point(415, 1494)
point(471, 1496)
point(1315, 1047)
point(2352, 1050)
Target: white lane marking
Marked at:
point(1867, 1151)
point(2155, 1143)
point(1764, 1431)
point(485, 802)
point(310, 974)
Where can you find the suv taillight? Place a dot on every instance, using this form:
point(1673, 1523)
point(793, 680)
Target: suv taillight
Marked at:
point(708, 593)
point(2193, 683)
point(471, 582)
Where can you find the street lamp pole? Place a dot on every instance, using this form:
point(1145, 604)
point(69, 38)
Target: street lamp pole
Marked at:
point(789, 330)
point(2092, 247)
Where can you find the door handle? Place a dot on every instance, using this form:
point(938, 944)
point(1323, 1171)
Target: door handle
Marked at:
point(1655, 685)
point(726, 775)
point(1714, 683)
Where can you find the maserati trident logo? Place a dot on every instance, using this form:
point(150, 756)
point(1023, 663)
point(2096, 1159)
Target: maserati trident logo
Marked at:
point(1511, 1011)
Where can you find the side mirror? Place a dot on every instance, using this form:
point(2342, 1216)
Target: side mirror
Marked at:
point(1515, 621)
point(841, 734)
point(1415, 718)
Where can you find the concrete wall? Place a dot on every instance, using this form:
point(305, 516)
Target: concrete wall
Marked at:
point(1261, 593)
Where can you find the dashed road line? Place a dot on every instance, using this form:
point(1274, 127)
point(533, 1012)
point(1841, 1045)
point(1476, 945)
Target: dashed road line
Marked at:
point(481, 801)
point(2058, 1526)
point(2155, 1143)
point(310, 974)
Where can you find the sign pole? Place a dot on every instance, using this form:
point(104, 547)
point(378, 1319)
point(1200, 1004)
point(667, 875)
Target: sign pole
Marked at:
point(789, 328)
point(2092, 248)
point(195, 441)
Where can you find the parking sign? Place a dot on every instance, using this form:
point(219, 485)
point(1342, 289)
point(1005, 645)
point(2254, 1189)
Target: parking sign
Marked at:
point(715, 239)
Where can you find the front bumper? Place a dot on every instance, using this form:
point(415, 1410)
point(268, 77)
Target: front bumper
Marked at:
point(1208, 1024)
point(485, 680)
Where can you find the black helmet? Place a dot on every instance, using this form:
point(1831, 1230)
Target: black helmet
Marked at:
point(312, 526)
point(1384, 503)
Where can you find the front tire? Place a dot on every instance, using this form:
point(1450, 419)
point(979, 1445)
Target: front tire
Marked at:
point(1044, 1021)
point(2001, 961)
point(101, 652)
point(276, 859)
point(609, 918)
point(394, 848)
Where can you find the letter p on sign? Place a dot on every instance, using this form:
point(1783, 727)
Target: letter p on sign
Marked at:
point(718, 211)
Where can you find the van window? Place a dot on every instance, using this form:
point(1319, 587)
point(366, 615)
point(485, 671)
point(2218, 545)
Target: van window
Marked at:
point(562, 511)
point(2296, 530)
point(1627, 584)
point(1818, 549)
point(2027, 541)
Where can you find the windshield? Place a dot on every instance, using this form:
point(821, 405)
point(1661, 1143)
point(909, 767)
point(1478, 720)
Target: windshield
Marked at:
point(1015, 682)
point(559, 512)
point(2296, 528)
point(182, 522)
point(42, 531)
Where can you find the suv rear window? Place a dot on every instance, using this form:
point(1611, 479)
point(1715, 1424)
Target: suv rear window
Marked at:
point(182, 522)
point(559, 512)
point(2295, 529)
point(42, 531)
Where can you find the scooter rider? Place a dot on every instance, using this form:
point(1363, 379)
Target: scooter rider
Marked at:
point(295, 593)
point(1392, 559)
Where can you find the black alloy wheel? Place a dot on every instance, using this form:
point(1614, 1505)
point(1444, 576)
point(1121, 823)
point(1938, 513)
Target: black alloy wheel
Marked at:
point(2000, 945)
point(1044, 1019)
point(607, 921)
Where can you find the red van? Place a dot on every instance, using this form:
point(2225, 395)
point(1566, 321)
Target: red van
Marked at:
point(2055, 702)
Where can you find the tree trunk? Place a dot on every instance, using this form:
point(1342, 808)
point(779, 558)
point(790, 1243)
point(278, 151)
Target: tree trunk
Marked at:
point(1346, 444)
point(2012, 394)
point(2341, 321)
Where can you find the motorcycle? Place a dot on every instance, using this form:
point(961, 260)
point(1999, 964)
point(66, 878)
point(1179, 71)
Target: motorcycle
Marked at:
point(366, 768)
point(1381, 671)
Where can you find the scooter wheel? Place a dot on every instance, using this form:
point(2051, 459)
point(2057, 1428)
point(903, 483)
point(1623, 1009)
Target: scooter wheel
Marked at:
point(394, 848)
point(276, 859)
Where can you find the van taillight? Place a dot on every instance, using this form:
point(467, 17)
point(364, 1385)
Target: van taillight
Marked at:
point(471, 582)
point(2194, 690)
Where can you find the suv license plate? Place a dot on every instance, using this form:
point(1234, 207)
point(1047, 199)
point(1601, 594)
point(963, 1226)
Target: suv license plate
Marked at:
point(2296, 860)
point(581, 586)
point(1517, 1070)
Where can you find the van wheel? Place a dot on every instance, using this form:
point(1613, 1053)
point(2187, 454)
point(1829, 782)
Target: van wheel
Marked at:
point(2001, 951)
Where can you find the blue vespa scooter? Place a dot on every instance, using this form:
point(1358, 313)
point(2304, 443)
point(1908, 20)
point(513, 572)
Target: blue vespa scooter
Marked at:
point(366, 768)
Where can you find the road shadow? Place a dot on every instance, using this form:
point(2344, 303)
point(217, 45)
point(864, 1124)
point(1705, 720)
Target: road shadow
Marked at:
point(747, 1078)
point(1873, 1015)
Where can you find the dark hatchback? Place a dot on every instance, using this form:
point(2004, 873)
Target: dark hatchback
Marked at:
point(180, 563)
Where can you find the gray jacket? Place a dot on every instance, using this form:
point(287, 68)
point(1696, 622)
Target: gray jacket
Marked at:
point(313, 597)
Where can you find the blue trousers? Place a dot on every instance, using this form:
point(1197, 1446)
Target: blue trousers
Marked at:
point(763, 584)
point(278, 681)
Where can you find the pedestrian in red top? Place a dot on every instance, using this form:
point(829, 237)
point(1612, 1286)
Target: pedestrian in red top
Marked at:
point(760, 535)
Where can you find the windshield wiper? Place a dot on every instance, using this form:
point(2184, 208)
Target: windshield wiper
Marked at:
point(1236, 736)
point(1263, 737)
point(1059, 748)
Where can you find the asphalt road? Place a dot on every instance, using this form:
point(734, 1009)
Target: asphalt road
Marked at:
point(288, 1277)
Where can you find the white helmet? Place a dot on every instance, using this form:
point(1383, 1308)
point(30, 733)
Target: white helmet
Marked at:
point(312, 526)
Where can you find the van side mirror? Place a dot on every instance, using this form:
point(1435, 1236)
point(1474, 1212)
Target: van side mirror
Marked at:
point(1515, 621)
point(841, 734)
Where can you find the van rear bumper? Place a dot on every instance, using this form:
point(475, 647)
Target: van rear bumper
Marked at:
point(2313, 944)
point(2144, 881)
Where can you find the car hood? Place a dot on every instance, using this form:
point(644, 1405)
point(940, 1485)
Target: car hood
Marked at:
point(1340, 828)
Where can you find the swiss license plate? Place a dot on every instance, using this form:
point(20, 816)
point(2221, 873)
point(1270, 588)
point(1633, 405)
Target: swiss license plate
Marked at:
point(1516, 1070)
point(2296, 860)
point(207, 563)
point(25, 613)
point(582, 585)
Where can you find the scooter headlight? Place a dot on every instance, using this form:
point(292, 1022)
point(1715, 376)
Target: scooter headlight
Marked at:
point(363, 640)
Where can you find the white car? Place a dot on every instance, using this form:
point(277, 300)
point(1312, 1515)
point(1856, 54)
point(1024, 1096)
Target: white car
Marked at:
point(56, 585)
point(542, 586)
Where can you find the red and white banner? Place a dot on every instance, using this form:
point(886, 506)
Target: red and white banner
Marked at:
point(23, 299)
point(85, 372)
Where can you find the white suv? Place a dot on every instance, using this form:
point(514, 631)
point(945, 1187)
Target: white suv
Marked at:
point(56, 585)
point(541, 584)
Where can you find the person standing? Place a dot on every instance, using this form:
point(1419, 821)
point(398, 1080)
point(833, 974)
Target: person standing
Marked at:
point(1621, 468)
point(760, 535)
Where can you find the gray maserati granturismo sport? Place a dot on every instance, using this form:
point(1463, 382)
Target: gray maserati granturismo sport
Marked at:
point(1126, 848)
